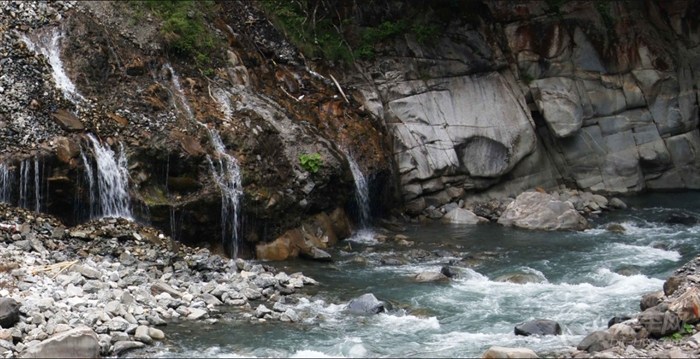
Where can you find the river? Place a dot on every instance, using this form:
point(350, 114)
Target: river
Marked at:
point(582, 279)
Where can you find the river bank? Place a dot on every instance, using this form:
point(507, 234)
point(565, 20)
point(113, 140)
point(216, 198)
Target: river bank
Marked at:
point(106, 286)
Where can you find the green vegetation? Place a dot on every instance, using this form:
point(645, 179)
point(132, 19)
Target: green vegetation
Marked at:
point(686, 330)
point(311, 162)
point(320, 28)
point(184, 30)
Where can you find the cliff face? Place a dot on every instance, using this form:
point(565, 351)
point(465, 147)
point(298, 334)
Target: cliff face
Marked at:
point(111, 69)
point(598, 95)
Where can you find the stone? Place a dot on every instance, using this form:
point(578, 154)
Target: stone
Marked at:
point(650, 300)
point(617, 203)
point(67, 120)
point(687, 305)
point(81, 342)
point(615, 228)
point(449, 272)
point(519, 278)
point(535, 210)
point(597, 341)
point(161, 287)
point(622, 333)
point(196, 313)
point(262, 310)
point(141, 334)
point(671, 285)
point(538, 327)
point(117, 324)
point(659, 324)
point(426, 277)
point(124, 346)
point(316, 254)
point(156, 334)
point(365, 304)
point(462, 216)
point(9, 312)
point(618, 319)
point(87, 271)
point(496, 352)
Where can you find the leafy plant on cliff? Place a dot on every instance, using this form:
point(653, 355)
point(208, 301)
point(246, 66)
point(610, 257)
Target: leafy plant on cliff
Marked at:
point(311, 162)
point(184, 30)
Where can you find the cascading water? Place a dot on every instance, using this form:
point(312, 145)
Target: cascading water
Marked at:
point(361, 193)
point(37, 186)
point(49, 46)
point(179, 93)
point(91, 183)
point(24, 184)
point(5, 185)
point(227, 174)
point(112, 179)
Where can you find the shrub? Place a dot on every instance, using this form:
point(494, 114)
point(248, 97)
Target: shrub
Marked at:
point(311, 162)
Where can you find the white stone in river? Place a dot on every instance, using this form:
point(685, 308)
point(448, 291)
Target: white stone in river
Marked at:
point(196, 313)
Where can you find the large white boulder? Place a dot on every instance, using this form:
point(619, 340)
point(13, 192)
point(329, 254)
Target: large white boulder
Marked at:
point(536, 210)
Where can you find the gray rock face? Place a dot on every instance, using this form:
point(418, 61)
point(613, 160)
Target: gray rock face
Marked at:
point(80, 342)
point(614, 120)
point(538, 327)
point(9, 312)
point(366, 304)
point(535, 210)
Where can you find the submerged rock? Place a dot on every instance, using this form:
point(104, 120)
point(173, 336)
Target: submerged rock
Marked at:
point(462, 216)
point(519, 278)
point(536, 210)
point(366, 304)
point(426, 277)
point(538, 327)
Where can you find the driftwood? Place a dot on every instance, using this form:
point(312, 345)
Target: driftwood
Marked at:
point(52, 267)
point(339, 88)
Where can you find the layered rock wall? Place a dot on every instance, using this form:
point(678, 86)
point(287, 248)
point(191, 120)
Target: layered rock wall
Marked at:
point(598, 95)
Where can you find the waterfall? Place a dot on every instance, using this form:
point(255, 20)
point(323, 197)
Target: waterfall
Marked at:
point(112, 179)
point(24, 184)
point(37, 186)
point(50, 48)
point(5, 184)
point(91, 183)
point(227, 175)
point(179, 93)
point(361, 192)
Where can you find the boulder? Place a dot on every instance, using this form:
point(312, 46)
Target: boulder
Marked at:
point(366, 304)
point(687, 306)
point(622, 333)
point(650, 300)
point(671, 285)
point(503, 352)
point(123, 346)
point(597, 341)
point(316, 254)
point(67, 120)
point(538, 327)
point(519, 278)
point(81, 342)
point(9, 312)
point(617, 319)
point(426, 277)
point(536, 210)
point(462, 216)
point(659, 324)
point(615, 228)
point(449, 272)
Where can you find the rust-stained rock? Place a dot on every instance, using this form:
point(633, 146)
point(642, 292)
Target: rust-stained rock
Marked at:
point(118, 119)
point(284, 247)
point(135, 67)
point(687, 306)
point(341, 223)
point(188, 143)
point(67, 120)
point(66, 149)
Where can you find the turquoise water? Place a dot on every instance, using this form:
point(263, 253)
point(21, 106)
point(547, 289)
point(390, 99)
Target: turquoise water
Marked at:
point(584, 279)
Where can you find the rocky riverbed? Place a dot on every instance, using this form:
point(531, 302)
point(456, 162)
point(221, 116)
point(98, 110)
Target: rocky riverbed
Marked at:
point(104, 287)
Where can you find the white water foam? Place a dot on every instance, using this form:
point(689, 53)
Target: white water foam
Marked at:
point(643, 255)
point(313, 354)
point(179, 93)
point(363, 236)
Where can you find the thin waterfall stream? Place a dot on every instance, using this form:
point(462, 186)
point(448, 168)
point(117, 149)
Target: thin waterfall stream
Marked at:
point(361, 193)
point(110, 181)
